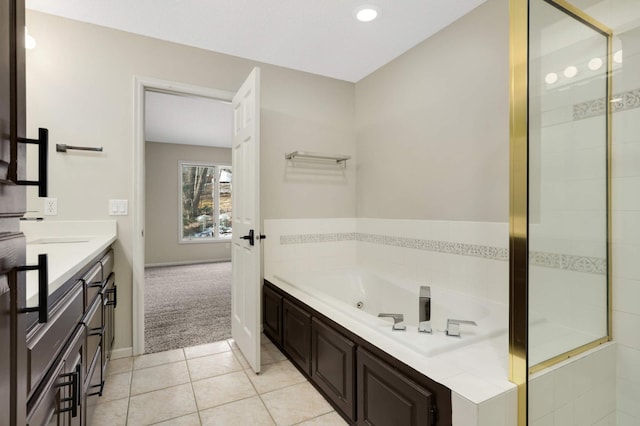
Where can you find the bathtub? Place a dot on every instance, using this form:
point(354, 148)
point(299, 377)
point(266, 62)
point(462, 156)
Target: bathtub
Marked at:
point(362, 295)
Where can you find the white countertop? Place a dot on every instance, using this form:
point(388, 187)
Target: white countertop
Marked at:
point(69, 246)
point(477, 372)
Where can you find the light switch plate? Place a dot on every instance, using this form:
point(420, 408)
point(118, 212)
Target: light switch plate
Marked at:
point(118, 207)
point(50, 207)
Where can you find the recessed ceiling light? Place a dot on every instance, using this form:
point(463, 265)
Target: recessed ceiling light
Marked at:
point(551, 78)
point(570, 71)
point(595, 64)
point(617, 57)
point(366, 13)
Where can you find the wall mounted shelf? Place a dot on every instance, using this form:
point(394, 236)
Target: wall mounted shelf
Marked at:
point(339, 159)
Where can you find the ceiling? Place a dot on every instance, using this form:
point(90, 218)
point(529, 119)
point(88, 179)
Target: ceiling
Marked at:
point(316, 36)
point(187, 120)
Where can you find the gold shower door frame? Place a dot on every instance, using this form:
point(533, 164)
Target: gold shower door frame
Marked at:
point(519, 369)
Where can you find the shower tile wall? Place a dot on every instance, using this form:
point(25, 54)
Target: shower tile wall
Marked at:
point(470, 257)
point(581, 391)
point(626, 233)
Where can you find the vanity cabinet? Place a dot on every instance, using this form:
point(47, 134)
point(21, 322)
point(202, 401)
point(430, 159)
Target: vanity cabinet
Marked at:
point(67, 356)
point(296, 335)
point(46, 340)
point(272, 315)
point(332, 366)
point(58, 400)
point(12, 207)
point(387, 397)
point(364, 384)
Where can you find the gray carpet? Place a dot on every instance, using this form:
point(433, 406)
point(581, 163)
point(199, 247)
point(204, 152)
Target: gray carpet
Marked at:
point(186, 305)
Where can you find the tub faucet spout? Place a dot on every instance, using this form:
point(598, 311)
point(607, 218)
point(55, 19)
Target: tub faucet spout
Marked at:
point(397, 319)
point(424, 309)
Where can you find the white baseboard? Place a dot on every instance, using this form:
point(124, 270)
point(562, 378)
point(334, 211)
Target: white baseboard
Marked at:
point(121, 353)
point(187, 262)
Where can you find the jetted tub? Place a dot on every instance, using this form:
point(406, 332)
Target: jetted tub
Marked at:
point(362, 295)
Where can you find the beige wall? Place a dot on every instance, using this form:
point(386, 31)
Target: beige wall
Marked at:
point(80, 85)
point(161, 204)
point(432, 126)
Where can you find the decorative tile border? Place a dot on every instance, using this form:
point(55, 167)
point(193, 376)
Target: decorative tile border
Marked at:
point(592, 265)
point(595, 107)
point(317, 238)
point(462, 249)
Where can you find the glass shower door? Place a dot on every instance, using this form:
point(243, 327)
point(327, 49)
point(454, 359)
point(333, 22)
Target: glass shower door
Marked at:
point(568, 183)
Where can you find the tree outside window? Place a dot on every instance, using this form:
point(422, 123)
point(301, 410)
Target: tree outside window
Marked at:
point(205, 210)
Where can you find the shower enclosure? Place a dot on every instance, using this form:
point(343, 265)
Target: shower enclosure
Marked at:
point(562, 64)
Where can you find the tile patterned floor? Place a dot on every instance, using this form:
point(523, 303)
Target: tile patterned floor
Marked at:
point(210, 384)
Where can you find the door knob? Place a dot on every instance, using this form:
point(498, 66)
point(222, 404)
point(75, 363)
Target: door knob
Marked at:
point(248, 237)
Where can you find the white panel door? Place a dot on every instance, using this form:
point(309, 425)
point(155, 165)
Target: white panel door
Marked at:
point(246, 253)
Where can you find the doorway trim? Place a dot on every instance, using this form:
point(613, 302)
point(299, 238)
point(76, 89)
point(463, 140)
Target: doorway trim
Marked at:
point(142, 84)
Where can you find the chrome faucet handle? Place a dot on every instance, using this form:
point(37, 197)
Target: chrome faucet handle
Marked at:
point(397, 319)
point(453, 326)
point(425, 327)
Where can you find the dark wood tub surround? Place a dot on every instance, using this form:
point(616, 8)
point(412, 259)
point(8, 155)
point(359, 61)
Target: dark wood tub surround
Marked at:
point(365, 385)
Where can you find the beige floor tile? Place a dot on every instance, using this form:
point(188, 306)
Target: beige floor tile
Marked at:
point(159, 377)
point(275, 376)
point(248, 411)
point(233, 344)
point(160, 405)
point(190, 420)
point(294, 404)
point(213, 365)
point(270, 354)
point(159, 358)
point(264, 339)
point(222, 389)
point(241, 359)
point(112, 413)
point(206, 349)
point(116, 386)
point(330, 419)
point(120, 365)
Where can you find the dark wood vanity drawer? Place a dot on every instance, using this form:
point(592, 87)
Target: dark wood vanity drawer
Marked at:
point(107, 264)
point(46, 340)
point(94, 322)
point(92, 282)
point(46, 408)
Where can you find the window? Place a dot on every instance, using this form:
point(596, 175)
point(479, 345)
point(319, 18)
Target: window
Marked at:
point(205, 209)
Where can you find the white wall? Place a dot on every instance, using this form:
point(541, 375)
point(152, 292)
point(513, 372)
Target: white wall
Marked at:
point(433, 129)
point(161, 205)
point(80, 85)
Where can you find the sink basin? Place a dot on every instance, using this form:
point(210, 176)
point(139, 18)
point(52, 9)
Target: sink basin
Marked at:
point(59, 240)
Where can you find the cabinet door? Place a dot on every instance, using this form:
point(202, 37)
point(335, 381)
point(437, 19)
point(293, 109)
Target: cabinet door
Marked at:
point(332, 366)
point(72, 393)
point(12, 207)
point(110, 301)
point(296, 336)
point(272, 314)
point(59, 400)
point(386, 397)
point(45, 409)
